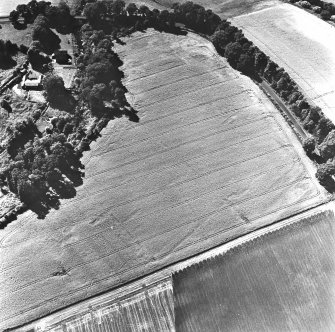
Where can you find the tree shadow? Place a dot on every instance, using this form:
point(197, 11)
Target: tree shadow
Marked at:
point(316, 158)
point(330, 185)
point(66, 103)
point(10, 63)
point(132, 115)
point(62, 189)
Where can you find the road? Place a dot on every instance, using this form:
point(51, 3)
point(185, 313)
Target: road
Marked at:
point(267, 88)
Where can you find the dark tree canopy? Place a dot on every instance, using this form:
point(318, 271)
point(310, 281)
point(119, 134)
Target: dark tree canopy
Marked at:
point(54, 88)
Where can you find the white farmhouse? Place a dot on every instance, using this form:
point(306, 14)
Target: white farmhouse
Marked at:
point(32, 80)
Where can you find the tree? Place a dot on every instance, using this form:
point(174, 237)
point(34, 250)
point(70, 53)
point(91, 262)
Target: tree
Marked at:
point(282, 84)
point(42, 33)
point(131, 9)
point(324, 175)
point(14, 16)
point(54, 88)
point(260, 62)
point(325, 15)
point(309, 145)
point(327, 147)
point(223, 37)
point(117, 7)
point(323, 128)
point(100, 71)
point(95, 12)
point(97, 95)
point(246, 64)
point(270, 70)
point(233, 52)
point(68, 128)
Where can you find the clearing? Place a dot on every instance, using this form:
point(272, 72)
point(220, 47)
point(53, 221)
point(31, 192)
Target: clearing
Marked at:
point(14, 35)
point(300, 43)
point(210, 159)
point(282, 281)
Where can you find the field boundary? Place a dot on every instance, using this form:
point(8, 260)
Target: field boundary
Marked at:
point(258, 237)
point(180, 266)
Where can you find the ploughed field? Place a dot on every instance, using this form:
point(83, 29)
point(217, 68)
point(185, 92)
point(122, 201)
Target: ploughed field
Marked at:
point(209, 160)
point(282, 281)
point(299, 42)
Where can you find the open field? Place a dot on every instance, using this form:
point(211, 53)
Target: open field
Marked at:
point(210, 159)
point(282, 281)
point(299, 42)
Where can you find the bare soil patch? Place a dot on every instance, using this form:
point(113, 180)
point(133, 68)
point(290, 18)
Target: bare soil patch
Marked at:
point(209, 160)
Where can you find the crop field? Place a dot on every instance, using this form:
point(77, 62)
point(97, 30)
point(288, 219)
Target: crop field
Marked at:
point(226, 8)
point(299, 42)
point(149, 309)
point(210, 159)
point(282, 281)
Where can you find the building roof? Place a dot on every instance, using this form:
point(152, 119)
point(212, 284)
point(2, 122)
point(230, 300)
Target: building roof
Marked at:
point(32, 79)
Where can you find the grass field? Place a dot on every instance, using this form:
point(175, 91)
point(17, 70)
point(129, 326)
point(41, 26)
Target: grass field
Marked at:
point(210, 159)
point(282, 281)
point(299, 42)
point(16, 36)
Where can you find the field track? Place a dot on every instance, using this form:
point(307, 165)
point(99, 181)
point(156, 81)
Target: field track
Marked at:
point(211, 159)
point(299, 42)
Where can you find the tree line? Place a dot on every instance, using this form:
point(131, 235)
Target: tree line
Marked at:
point(116, 18)
point(325, 9)
point(40, 161)
point(59, 17)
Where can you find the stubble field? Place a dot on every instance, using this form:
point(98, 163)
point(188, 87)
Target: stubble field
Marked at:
point(209, 160)
point(148, 309)
point(299, 42)
point(282, 281)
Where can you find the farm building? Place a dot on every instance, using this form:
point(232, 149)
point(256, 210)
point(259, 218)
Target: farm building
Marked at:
point(32, 80)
